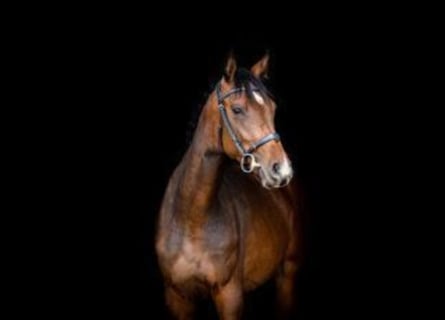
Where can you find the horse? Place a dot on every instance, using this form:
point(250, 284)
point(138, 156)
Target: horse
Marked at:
point(228, 220)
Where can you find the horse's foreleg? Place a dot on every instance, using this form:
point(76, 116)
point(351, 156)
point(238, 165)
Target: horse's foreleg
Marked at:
point(285, 283)
point(179, 306)
point(229, 300)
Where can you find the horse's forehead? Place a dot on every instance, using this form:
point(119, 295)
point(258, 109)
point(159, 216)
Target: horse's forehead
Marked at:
point(258, 98)
point(255, 97)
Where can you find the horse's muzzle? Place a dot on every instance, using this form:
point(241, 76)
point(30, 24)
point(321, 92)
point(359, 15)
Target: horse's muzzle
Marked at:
point(277, 175)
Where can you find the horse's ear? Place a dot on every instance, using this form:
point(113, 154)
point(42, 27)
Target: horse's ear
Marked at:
point(230, 69)
point(261, 68)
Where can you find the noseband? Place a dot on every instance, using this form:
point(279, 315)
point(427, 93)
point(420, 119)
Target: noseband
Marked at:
point(246, 155)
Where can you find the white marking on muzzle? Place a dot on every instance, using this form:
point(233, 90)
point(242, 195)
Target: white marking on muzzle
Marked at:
point(286, 169)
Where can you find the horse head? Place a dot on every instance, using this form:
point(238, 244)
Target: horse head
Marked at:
point(247, 113)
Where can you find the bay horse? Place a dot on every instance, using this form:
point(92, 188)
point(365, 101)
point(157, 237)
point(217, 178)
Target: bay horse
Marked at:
point(228, 219)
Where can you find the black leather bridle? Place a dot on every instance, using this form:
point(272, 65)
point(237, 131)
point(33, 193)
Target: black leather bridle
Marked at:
point(247, 163)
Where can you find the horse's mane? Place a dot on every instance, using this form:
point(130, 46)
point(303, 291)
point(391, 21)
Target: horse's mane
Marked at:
point(243, 79)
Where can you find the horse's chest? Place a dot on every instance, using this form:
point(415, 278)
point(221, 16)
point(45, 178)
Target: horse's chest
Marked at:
point(196, 261)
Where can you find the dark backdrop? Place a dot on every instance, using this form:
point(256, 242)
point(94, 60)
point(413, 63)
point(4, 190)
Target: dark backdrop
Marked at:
point(128, 93)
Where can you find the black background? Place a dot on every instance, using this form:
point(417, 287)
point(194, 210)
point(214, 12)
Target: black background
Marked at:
point(126, 89)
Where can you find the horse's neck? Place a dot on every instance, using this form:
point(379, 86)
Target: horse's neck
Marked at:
point(201, 171)
point(200, 178)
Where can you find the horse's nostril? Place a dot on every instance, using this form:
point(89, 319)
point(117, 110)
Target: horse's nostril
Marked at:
point(276, 168)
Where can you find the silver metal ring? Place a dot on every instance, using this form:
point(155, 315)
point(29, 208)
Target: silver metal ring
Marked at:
point(243, 162)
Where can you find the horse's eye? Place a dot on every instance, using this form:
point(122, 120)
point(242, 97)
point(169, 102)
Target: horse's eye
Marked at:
point(237, 109)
